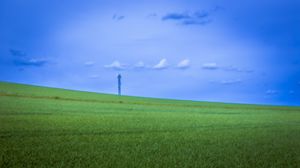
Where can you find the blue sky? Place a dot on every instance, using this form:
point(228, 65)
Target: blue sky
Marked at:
point(224, 51)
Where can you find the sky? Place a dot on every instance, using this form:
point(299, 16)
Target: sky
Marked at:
point(217, 50)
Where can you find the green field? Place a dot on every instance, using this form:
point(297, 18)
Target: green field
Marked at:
point(46, 127)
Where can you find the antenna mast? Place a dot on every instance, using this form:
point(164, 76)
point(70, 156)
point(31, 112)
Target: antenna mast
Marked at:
point(119, 84)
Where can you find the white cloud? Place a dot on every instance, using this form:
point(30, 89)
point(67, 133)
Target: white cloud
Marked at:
point(271, 92)
point(232, 81)
point(235, 69)
point(89, 63)
point(184, 64)
point(116, 65)
point(211, 66)
point(140, 64)
point(161, 65)
point(94, 76)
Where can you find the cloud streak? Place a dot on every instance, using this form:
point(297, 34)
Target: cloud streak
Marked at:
point(272, 92)
point(118, 17)
point(235, 69)
point(94, 76)
point(89, 63)
point(140, 65)
point(20, 58)
point(230, 82)
point(17, 53)
point(30, 62)
point(210, 66)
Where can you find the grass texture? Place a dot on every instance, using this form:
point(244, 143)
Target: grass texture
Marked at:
point(47, 127)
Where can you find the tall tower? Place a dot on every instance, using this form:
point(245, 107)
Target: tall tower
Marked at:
point(119, 84)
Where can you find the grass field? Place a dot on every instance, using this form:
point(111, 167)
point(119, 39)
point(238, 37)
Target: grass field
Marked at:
point(46, 127)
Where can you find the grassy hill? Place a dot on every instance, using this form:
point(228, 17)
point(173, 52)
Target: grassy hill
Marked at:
point(47, 127)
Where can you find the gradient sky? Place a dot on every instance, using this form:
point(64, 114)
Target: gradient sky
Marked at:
point(224, 51)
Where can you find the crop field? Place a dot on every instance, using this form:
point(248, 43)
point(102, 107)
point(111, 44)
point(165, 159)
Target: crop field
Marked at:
point(47, 127)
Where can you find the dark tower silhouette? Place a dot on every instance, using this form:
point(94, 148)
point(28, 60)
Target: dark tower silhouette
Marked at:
point(119, 84)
